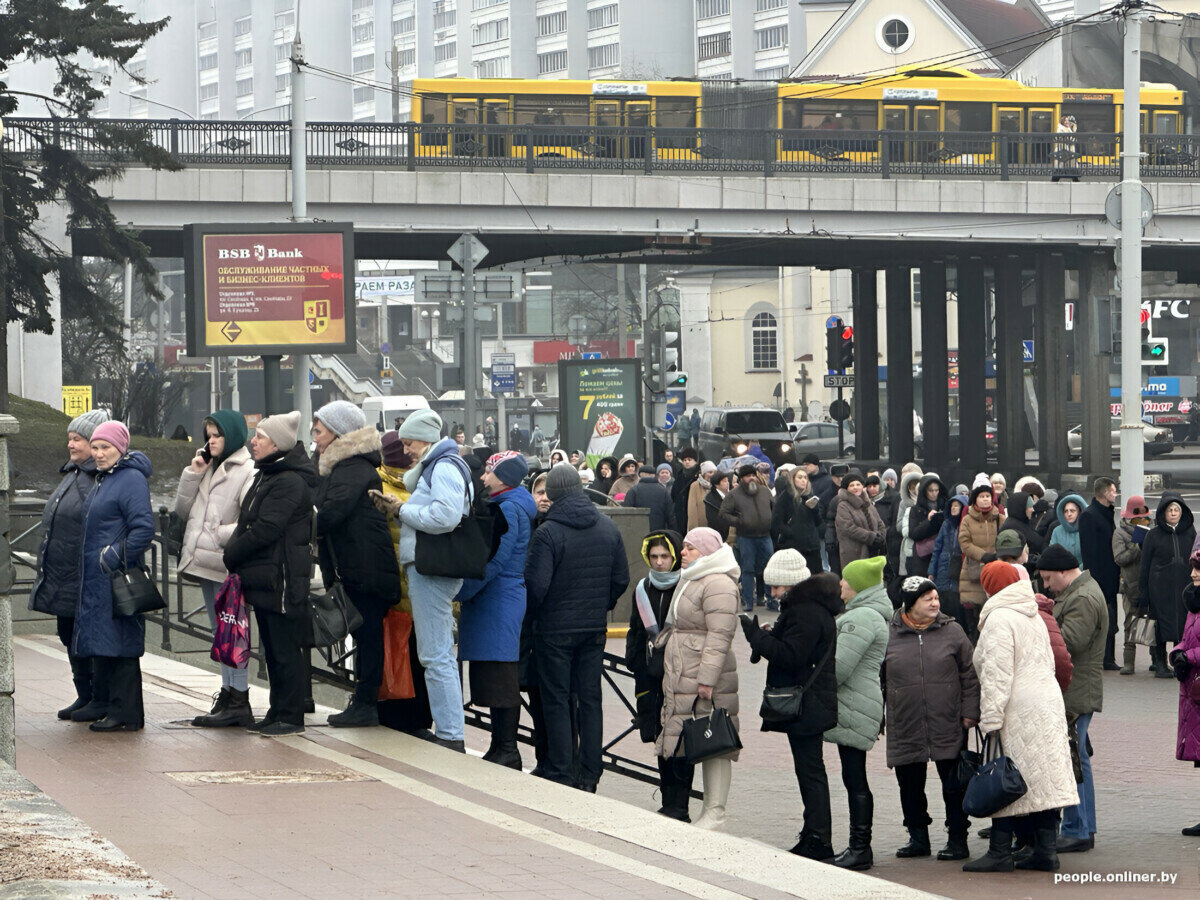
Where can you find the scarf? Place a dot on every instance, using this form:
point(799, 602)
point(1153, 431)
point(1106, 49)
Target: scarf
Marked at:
point(664, 580)
point(413, 475)
point(904, 617)
point(713, 564)
point(703, 482)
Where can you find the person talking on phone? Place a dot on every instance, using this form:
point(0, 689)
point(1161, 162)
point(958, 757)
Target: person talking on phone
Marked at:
point(209, 498)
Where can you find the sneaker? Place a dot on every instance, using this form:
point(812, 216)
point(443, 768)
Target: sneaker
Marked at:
point(275, 729)
point(262, 723)
point(358, 714)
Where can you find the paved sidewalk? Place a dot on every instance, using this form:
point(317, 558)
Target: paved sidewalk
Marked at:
point(364, 812)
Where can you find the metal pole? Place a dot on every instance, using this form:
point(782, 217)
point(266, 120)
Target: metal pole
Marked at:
point(501, 412)
point(300, 391)
point(272, 389)
point(393, 62)
point(1133, 464)
point(214, 383)
point(621, 326)
point(127, 308)
point(235, 395)
point(648, 406)
point(785, 327)
point(470, 347)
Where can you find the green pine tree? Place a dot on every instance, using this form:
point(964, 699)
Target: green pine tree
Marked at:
point(61, 159)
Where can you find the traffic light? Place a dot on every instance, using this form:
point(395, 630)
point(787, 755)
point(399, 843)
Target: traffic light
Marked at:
point(664, 360)
point(677, 379)
point(833, 344)
point(846, 349)
point(1154, 350)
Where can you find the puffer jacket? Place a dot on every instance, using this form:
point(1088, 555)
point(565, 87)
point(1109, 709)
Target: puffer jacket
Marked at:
point(1082, 616)
point(1165, 571)
point(945, 565)
point(1063, 669)
point(576, 568)
point(117, 524)
point(860, 531)
point(697, 646)
point(908, 499)
point(1128, 556)
point(1187, 745)
point(1019, 698)
point(1065, 534)
point(441, 494)
point(976, 538)
point(60, 562)
point(1018, 520)
point(489, 627)
point(800, 639)
point(862, 638)
point(931, 688)
point(349, 527)
point(271, 548)
point(210, 502)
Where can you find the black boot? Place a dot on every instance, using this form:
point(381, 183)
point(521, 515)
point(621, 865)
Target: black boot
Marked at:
point(858, 855)
point(999, 855)
point(358, 714)
point(504, 750)
point(676, 793)
point(81, 676)
point(1162, 668)
point(1043, 857)
point(918, 844)
point(956, 847)
point(236, 712)
point(810, 846)
point(1110, 654)
point(220, 701)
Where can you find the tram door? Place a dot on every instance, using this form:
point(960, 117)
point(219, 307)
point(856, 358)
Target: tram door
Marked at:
point(908, 118)
point(1011, 120)
point(473, 111)
point(1041, 121)
point(926, 118)
point(896, 118)
point(629, 116)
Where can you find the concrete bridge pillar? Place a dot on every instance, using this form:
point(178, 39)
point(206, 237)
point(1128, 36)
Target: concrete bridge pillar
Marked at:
point(1095, 282)
point(900, 364)
point(1050, 331)
point(934, 386)
point(1010, 332)
point(864, 297)
point(972, 354)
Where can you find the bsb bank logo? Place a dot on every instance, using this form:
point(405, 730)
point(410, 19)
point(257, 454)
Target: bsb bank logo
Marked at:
point(316, 315)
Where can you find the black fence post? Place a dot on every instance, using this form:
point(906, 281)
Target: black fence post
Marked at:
point(174, 137)
point(648, 150)
point(529, 152)
point(1003, 157)
point(410, 138)
point(885, 153)
point(768, 154)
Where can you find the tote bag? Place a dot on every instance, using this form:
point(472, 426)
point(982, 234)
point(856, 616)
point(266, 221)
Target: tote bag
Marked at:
point(231, 637)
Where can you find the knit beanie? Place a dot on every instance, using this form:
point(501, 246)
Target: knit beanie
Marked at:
point(863, 573)
point(423, 425)
point(913, 589)
point(889, 473)
point(340, 417)
point(786, 568)
point(85, 424)
point(996, 576)
point(1057, 558)
point(810, 459)
point(647, 470)
point(981, 479)
point(393, 451)
point(666, 466)
point(115, 433)
point(851, 477)
point(706, 540)
point(910, 468)
point(509, 466)
point(281, 429)
point(997, 476)
point(707, 468)
point(562, 480)
point(688, 453)
point(232, 425)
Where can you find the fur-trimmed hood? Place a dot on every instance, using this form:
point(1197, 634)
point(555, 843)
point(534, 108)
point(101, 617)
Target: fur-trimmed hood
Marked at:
point(364, 441)
point(822, 589)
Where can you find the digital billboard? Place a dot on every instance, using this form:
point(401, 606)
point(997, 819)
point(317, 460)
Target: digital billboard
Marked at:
point(600, 403)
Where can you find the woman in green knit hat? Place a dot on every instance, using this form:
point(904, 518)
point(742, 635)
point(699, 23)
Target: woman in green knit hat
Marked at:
point(862, 638)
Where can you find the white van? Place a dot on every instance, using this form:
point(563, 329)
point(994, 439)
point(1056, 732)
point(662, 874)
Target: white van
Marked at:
point(382, 412)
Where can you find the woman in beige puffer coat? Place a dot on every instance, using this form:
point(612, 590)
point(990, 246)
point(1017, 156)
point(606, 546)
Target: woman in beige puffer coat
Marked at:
point(976, 538)
point(699, 667)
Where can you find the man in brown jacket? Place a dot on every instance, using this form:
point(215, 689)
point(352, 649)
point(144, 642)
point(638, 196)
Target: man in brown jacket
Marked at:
point(748, 508)
point(1082, 615)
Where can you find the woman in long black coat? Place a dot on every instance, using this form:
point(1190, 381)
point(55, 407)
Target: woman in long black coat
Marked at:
point(925, 519)
point(797, 521)
point(802, 638)
point(1166, 572)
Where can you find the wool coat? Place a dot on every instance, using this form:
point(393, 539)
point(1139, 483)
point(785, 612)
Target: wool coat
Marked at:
point(60, 560)
point(681, 495)
point(694, 510)
point(489, 626)
point(976, 538)
point(1019, 698)
point(931, 687)
point(1187, 745)
point(698, 646)
point(1096, 527)
point(1082, 615)
point(1165, 571)
point(118, 526)
point(209, 502)
point(1063, 669)
point(794, 524)
point(860, 531)
point(649, 494)
point(862, 639)
point(1018, 520)
point(714, 518)
point(797, 643)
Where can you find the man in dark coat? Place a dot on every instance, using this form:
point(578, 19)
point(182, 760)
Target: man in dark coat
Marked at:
point(717, 521)
point(649, 494)
point(1096, 526)
point(689, 461)
point(575, 572)
point(820, 480)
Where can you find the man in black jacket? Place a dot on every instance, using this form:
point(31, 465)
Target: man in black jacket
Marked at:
point(575, 571)
point(1096, 526)
point(649, 494)
point(689, 460)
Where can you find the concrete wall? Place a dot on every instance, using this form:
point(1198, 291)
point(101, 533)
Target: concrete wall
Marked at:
point(634, 524)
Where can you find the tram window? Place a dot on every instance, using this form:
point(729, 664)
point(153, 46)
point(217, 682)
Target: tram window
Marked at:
point(827, 115)
point(968, 117)
point(1166, 123)
point(675, 112)
point(433, 112)
point(571, 111)
point(1092, 118)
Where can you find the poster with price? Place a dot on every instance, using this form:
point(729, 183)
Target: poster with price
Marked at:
point(600, 403)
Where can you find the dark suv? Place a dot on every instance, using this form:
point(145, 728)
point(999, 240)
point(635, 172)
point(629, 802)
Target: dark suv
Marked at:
point(728, 430)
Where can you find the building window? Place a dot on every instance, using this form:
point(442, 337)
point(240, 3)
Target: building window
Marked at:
point(209, 91)
point(711, 46)
point(709, 9)
point(486, 32)
point(137, 70)
point(552, 62)
point(364, 95)
point(284, 21)
point(241, 26)
point(604, 55)
point(602, 17)
point(772, 74)
point(771, 38)
point(360, 5)
point(283, 82)
point(764, 341)
point(364, 63)
point(245, 87)
point(764, 5)
point(443, 52)
point(894, 34)
point(486, 4)
point(496, 67)
point(208, 61)
point(552, 23)
point(283, 52)
point(406, 57)
point(208, 30)
point(407, 25)
point(444, 14)
point(284, 5)
point(364, 32)
point(243, 57)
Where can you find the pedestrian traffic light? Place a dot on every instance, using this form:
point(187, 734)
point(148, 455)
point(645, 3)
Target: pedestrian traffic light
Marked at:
point(676, 379)
point(846, 349)
point(833, 344)
point(1154, 350)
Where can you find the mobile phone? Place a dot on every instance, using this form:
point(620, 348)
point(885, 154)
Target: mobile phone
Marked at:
point(204, 454)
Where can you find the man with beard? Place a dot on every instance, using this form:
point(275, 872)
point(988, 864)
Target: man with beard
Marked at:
point(748, 508)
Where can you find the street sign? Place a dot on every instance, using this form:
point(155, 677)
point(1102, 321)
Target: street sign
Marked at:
point(76, 399)
point(838, 381)
point(467, 247)
point(385, 373)
point(839, 410)
point(833, 322)
point(386, 382)
point(504, 373)
point(596, 355)
point(676, 401)
point(496, 287)
point(669, 421)
point(1027, 351)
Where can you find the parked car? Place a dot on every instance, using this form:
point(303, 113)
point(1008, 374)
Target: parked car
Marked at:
point(728, 430)
point(1156, 439)
point(821, 438)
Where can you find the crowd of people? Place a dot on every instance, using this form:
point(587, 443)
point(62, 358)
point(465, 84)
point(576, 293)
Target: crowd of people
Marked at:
point(942, 610)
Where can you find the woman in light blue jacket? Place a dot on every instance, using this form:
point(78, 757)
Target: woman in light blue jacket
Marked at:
point(1067, 531)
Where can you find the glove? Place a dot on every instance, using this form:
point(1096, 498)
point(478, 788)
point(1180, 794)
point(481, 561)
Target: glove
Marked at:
point(938, 518)
point(812, 502)
point(749, 626)
point(1181, 665)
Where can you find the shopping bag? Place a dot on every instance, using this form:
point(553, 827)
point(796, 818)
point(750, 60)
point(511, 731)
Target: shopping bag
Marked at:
point(397, 669)
point(231, 637)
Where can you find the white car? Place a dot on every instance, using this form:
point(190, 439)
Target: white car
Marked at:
point(1157, 439)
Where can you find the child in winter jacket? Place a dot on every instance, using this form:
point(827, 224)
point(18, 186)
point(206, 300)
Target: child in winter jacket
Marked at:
point(946, 563)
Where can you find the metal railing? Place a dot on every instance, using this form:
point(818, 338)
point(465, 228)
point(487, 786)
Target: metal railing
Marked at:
point(533, 148)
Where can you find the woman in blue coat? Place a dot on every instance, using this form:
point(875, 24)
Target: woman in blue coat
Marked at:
point(1067, 531)
point(118, 526)
point(489, 626)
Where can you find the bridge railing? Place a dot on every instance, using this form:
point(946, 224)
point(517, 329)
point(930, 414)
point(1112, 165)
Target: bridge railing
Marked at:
point(533, 148)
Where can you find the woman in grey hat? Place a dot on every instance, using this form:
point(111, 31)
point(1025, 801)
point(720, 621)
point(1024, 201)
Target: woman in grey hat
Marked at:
point(56, 590)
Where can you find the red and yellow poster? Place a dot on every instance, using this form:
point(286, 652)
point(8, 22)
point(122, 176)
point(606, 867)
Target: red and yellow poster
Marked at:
point(284, 289)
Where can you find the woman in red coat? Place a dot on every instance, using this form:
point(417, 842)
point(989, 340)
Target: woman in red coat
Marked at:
point(1063, 667)
point(1185, 660)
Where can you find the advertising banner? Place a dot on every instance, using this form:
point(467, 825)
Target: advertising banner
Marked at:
point(599, 406)
point(269, 289)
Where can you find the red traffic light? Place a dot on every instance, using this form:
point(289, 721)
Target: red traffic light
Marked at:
point(847, 333)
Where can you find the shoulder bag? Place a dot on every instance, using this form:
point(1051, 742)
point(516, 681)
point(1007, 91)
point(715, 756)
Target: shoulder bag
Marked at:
point(463, 552)
point(997, 784)
point(1144, 630)
point(969, 761)
point(331, 614)
point(786, 704)
point(710, 736)
point(133, 590)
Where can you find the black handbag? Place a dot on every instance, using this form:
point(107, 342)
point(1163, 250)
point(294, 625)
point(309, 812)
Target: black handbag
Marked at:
point(710, 736)
point(786, 704)
point(331, 614)
point(133, 590)
point(969, 762)
point(997, 784)
point(463, 552)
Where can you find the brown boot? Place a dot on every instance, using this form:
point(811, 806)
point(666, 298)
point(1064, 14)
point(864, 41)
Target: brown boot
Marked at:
point(1130, 656)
